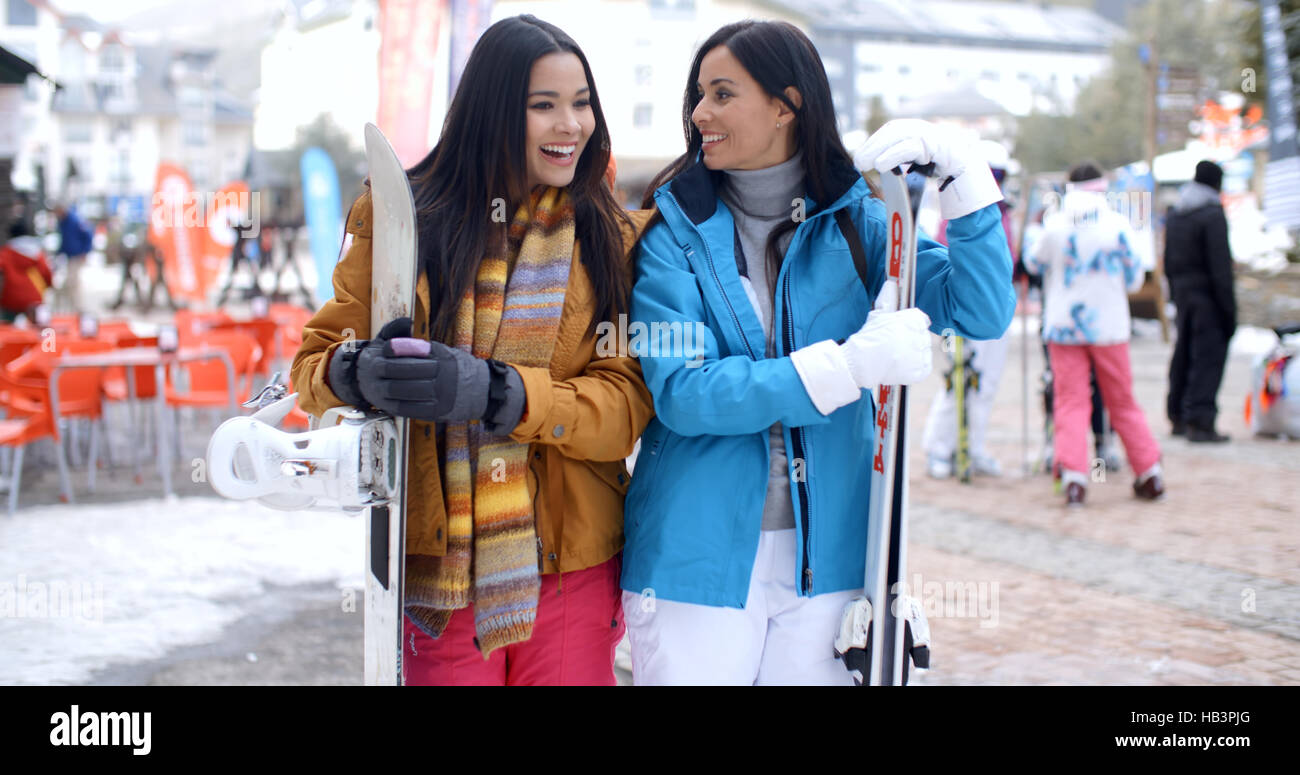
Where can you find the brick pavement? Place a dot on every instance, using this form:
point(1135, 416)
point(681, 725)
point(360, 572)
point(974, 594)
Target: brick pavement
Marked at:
point(1201, 588)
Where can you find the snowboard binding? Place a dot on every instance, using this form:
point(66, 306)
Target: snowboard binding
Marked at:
point(350, 464)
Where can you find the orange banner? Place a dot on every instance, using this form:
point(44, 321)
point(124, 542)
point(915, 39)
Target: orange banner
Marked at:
point(176, 218)
point(228, 212)
point(408, 57)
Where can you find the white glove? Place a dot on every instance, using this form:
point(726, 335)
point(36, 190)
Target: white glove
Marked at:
point(892, 348)
point(913, 141)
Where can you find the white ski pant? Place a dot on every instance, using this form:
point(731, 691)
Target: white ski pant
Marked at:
point(778, 638)
point(940, 435)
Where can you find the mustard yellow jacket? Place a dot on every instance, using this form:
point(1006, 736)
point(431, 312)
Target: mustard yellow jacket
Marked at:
point(584, 413)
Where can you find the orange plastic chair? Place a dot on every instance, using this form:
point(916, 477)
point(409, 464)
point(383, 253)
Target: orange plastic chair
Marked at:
point(265, 331)
point(191, 324)
point(16, 341)
point(115, 387)
point(21, 428)
point(208, 385)
point(113, 330)
point(28, 396)
point(291, 319)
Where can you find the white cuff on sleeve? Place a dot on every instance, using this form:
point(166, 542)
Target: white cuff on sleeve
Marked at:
point(973, 189)
point(825, 374)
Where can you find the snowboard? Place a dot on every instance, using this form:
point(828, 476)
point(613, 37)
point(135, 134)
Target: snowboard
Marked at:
point(351, 459)
point(392, 295)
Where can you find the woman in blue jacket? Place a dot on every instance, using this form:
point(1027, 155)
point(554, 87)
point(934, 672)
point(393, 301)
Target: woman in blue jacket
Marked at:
point(747, 515)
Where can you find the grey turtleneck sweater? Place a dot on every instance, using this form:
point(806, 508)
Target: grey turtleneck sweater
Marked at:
point(759, 200)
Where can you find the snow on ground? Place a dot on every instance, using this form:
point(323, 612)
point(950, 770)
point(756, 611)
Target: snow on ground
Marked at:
point(86, 586)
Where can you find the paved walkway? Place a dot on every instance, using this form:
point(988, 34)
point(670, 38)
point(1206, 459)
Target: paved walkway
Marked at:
point(1200, 588)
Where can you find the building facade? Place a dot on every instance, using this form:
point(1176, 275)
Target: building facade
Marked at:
point(120, 109)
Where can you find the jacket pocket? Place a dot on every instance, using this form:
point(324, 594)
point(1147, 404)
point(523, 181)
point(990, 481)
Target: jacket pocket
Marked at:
point(654, 444)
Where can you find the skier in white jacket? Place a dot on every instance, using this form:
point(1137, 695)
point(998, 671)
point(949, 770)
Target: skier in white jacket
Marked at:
point(1088, 270)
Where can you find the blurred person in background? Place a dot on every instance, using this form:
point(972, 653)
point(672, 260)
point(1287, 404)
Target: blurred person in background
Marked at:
point(24, 273)
point(520, 424)
point(1088, 270)
point(1198, 263)
point(987, 358)
point(75, 238)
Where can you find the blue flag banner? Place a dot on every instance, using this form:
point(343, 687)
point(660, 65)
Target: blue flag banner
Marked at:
point(324, 213)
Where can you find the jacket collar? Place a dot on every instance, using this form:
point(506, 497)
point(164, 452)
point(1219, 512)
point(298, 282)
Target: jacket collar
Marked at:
point(696, 189)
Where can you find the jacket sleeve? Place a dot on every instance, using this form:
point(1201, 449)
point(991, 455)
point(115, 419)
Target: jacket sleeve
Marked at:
point(595, 416)
point(1218, 256)
point(706, 393)
point(966, 287)
point(1131, 260)
point(343, 318)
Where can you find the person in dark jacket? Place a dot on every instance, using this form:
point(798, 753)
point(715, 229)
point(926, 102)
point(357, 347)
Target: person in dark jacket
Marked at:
point(1198, 263)
point(75, 241)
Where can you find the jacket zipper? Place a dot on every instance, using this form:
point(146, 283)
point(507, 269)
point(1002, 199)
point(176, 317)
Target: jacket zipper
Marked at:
point(797, 442)
point(717, 280)
point(796, 434)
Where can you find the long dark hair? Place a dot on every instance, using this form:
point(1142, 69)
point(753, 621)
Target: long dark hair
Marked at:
point(777, 55)
point(480, 157)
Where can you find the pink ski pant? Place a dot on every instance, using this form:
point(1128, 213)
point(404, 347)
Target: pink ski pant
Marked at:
point(1072, 404)
point(579, 624)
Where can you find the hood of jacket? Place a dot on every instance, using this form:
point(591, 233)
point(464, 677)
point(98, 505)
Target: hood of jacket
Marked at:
point(1194, 196)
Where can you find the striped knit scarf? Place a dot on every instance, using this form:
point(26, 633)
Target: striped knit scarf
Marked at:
point(489, 512)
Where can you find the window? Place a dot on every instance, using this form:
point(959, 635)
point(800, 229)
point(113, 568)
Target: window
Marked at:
point(642, 115)
point(111, 59)
point(120, 131)
point(76, 130)
point(194, 132)
point(119, 172)
point(190, 97)
point(21, 14)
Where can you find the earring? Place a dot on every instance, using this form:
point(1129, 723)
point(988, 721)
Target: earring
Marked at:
point(778, 125)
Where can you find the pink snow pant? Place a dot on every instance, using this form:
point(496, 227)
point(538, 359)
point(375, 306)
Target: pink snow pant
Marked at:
point(1072, 404)
point(579, 624)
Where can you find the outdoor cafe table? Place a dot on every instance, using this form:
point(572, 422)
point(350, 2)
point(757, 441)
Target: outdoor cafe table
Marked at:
point(130, 358)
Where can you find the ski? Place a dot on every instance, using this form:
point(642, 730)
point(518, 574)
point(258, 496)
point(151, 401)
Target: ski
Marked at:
point(881, 631)
point(959, 385)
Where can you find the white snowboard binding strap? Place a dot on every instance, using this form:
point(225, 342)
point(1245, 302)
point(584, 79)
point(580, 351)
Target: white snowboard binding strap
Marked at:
point(853, 641)
point(352, 465)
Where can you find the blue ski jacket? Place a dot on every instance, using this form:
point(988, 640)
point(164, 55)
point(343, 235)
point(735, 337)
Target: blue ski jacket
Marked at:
point(75, 237)
point(694, 509)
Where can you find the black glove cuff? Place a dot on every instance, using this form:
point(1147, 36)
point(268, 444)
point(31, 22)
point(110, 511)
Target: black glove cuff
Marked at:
point(342, 374)
point(496, 392)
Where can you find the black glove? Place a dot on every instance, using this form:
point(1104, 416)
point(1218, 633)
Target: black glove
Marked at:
point(416, 378)
point(342, 373)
